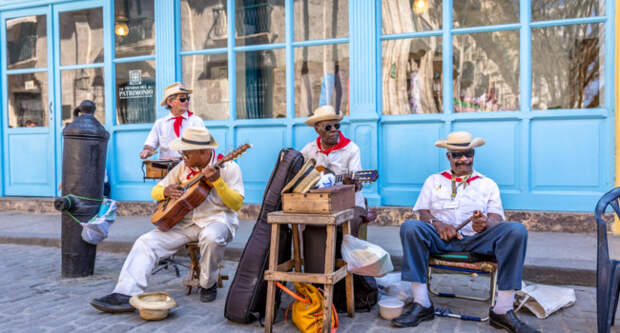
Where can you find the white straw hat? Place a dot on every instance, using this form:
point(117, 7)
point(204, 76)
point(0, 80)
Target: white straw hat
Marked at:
point(325, 112)
point(194, 138)
point(173, 89)
point(459, 141)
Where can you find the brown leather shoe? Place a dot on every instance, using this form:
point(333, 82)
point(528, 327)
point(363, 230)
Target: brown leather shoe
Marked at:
point(510, 322)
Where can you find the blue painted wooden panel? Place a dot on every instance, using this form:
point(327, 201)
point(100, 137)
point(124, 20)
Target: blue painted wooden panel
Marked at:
point(127, 146)
point(302, 134)
point(30, 164)
point(565, 154)
point(258, 162)
point(498, 158)
point(221, 134)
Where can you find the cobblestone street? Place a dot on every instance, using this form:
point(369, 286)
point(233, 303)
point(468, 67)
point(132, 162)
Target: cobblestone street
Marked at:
point(35, 299)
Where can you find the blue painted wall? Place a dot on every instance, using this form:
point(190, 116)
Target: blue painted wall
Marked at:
point(542, 160)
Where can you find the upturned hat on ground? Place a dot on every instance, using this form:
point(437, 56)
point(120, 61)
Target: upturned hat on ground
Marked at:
point(459, 141)
point(325, 112)
point(194, 138)
point(173, 89)
point(153, 306)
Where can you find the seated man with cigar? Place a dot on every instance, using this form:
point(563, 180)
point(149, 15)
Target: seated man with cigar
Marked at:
point(460, 210)
point(213, 223)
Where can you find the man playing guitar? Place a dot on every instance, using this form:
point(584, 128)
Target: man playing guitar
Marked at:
point(213, 223)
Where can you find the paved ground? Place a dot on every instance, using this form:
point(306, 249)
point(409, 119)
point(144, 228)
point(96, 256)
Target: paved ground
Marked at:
point(34, 298)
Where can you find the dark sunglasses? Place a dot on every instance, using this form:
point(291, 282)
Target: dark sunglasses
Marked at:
point(184, 99)
point(458, 154)
point(329, 127)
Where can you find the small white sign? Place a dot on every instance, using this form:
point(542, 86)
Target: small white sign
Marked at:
point(29, 85)
point(135, 77)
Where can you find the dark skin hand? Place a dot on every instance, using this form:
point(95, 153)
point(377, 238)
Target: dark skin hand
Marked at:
point(447, 231)
point(349, 181)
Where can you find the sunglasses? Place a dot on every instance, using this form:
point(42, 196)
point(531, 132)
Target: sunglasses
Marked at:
point(458, 154)
point(184, 99)
point(329, 127)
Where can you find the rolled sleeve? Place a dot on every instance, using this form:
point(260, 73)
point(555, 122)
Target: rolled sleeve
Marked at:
point(495, 202)
point(153, 138)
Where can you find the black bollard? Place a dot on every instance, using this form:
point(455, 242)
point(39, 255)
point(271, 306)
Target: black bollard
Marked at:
point(83, 171)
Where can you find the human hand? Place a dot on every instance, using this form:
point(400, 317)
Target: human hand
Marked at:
point(146, 152)
point(173, 191)
point(211, 173)
point(348, 180)
point(446, 231)
point(479, 221)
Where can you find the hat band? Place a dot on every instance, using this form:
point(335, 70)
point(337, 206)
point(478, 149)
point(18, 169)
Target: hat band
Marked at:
point(459, 144)
point(196, 142)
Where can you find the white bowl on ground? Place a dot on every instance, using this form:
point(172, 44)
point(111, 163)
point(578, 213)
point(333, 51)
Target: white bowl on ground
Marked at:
point(390, 308)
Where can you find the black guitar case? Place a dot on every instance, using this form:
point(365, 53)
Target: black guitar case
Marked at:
point(247, 295)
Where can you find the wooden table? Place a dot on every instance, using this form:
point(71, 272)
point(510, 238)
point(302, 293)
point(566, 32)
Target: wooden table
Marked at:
point(328, 278)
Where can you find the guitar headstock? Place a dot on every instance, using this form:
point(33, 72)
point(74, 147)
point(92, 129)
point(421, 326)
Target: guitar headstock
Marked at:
point(235, 153)
point(366, 176)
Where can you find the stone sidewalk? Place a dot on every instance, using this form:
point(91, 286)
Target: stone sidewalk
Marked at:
point(35, 299)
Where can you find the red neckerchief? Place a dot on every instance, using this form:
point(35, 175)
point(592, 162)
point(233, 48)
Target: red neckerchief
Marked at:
point(343, 142)
point(178, 121)
point(192, 173)
point(458, 179)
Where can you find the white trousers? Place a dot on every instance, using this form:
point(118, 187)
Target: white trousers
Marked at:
point(155, 244)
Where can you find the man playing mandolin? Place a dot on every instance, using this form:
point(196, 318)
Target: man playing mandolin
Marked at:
point(212, 223)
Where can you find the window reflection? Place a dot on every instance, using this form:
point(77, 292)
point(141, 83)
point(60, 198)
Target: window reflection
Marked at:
point(410, 15)
point(321, 19)
point(562, 9)
point(568, 67)
point(26, 42)
point(203, 24)
point(28, 100)
point(81, 37)
point(412, 76)
point(134, 27)
point(81, 84)
point(485, 12)
point(259, 22)
point(207, 75)
point(261, 84)
point(321, 77)
point(486, 71)
point(135, 92)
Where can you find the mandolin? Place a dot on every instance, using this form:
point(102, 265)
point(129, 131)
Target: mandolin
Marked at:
point(170, 211)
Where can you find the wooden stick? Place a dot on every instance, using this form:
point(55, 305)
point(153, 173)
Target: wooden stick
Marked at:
point(464, 223)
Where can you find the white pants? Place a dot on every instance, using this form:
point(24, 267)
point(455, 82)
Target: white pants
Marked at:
point(155, 244)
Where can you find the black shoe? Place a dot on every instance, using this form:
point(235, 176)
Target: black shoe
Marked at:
point(510, 322)
point(208, 294)
point(113, 303)
point(414, 316)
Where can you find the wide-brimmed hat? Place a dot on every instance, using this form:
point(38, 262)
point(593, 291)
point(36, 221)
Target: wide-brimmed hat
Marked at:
point(173, 89)
point(325, 112)
point(194, 138)
point(459, 141)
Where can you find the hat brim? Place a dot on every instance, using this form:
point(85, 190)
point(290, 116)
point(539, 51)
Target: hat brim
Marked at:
point(178, 91)
point(315, 119)
point(443, 143)
point(177, 144)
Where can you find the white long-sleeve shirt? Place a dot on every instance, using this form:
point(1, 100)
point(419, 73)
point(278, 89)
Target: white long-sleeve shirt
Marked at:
point(163, 133)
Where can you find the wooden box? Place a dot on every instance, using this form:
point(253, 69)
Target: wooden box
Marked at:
point(325, 200)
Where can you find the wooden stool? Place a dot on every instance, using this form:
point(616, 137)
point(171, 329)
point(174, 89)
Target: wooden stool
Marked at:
point(328, 278)
point(194, 269)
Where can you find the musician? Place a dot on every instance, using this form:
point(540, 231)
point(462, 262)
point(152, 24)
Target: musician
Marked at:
point(176, 100)
point(213, 223)
point(446, 200)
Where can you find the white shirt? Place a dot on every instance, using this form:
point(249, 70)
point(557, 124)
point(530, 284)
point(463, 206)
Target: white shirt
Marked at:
point(213, 208)
point(340, 161)
point(163, 133)
point(481, 194)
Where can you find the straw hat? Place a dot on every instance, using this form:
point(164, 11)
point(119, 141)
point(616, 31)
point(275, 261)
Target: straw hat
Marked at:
point(194, 138)
point(459, 141)
point(173, 89)
point(153, 306)
point(325, 112)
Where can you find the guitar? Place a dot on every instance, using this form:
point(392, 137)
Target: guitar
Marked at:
point(363, 176)
point(170, 211)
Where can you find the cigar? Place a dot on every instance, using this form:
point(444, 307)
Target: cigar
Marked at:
point(464, 223)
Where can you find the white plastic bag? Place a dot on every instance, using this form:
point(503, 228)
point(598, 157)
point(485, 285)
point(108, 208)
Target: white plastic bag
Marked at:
point(391, 285)
point(365, 258)
point(96, 230)
point(543, 300)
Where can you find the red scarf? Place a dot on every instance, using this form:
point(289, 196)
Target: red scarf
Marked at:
point(192, 173)
point(458, 179)
point(343, 142)
point(178, 121)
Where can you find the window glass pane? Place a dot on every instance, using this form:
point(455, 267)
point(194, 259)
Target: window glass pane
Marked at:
point(135, 92)
point(207, 75)
point(398, 16)
point(486, 71)
point(569, 67)
point(28, 100)
point(261, 84)
point(259, 22)
point(555, 10)
point(81, 37)
point(26, 42)
point(485, 12)
point(321, 77)
point(203, 24)
point(81, 84)
point(134, 28)
point(321, 19)
point(412, 76)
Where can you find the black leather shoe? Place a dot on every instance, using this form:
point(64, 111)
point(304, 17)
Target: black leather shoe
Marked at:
point(414, 316)
point(510, 322)
point(208, 294)
point(113, 303)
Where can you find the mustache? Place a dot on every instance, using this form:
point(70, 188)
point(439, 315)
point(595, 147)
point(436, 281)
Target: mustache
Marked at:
point(462, 163)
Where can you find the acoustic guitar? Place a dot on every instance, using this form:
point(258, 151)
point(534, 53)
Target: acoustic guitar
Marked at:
point(170, 211)
point(363, 176)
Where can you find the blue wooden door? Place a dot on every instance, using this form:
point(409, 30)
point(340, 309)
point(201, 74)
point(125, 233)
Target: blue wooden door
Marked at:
point(28, 125)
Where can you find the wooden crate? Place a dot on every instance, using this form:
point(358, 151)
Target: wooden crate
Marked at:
point(325, 200)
